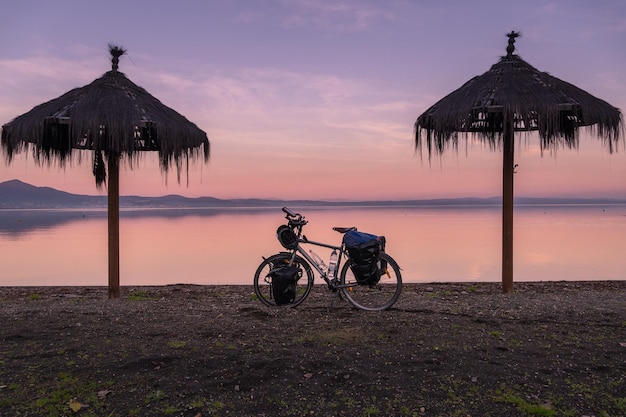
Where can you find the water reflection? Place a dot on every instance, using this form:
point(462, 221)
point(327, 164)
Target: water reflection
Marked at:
point(18, 222)
point(223, 246)
point(14, 222)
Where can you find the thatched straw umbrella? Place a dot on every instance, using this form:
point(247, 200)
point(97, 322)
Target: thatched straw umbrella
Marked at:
point(515, 96)
point(116, 119)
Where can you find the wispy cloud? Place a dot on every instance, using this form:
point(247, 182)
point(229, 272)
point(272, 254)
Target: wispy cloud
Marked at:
point(269, 90)
point(283, 112)
point(341, 16)
point(31, 81)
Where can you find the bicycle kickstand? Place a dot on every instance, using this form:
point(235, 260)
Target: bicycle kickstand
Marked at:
point(332, 301)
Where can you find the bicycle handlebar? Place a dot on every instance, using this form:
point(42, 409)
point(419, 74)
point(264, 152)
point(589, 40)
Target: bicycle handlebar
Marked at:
point(289, 212)
point(295, 219)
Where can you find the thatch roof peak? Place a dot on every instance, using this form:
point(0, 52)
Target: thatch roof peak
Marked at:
point(511, 46)
point(116, 52)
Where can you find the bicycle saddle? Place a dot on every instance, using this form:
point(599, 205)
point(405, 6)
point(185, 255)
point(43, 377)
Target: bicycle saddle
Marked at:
point(343, 229)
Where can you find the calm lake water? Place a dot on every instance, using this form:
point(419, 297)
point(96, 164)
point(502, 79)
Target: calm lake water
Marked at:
point(207, 246)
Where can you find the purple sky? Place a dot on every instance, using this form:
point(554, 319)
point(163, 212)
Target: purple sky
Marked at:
point(317, 98)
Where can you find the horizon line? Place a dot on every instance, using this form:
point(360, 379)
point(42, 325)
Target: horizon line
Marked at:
point(497, 198)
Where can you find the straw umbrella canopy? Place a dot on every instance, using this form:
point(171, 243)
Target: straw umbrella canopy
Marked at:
point(514, 96)
point(116, 119)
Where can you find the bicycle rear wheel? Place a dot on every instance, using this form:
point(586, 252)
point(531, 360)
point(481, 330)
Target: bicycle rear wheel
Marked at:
point(263, 280)
point(379, 296)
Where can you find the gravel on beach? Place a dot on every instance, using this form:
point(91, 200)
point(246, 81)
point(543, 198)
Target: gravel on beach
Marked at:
point(445, 349)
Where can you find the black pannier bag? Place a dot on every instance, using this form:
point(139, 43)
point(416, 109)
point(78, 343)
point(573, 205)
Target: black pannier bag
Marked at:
point(364, 252)
point(284, 281)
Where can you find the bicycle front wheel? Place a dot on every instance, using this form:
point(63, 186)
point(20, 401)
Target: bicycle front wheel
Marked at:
point(374, 297)
point(263, 287)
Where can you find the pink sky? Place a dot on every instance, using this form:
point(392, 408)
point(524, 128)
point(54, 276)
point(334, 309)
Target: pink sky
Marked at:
point(317, 99)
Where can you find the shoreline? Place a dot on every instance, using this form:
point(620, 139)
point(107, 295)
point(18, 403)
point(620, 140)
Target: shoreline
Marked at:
point(524, 285)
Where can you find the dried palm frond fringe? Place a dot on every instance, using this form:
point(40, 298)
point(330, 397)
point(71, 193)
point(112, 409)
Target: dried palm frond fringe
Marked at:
point(514, 91)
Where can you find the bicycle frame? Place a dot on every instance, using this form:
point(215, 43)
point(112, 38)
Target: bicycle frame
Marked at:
point(324, 274)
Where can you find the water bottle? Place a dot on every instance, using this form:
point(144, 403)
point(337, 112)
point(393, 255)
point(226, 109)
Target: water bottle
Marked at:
point(318, 260)
point(332, 264)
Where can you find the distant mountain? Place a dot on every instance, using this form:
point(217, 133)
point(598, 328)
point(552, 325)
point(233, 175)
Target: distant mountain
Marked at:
point(16, 194)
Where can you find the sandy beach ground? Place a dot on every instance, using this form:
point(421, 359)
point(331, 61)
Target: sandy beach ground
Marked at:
point(549, 349)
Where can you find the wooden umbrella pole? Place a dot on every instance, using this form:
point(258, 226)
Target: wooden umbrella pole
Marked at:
point(508, 169)
point(114, 224)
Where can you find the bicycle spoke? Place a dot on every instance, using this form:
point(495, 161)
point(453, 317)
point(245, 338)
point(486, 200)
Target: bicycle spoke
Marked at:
point(263, 285)
point(379, 296)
